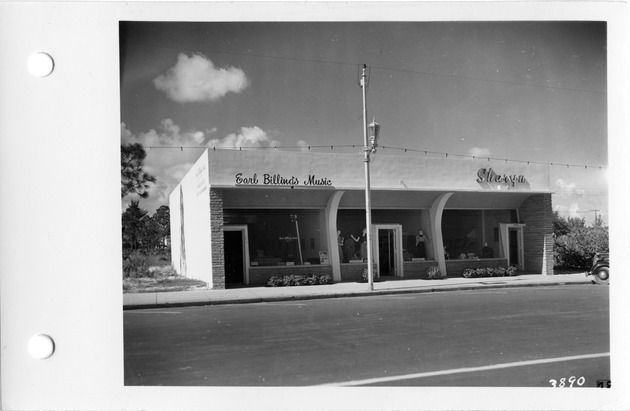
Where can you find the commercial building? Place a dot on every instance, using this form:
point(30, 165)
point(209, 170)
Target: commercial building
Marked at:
point(242, 216)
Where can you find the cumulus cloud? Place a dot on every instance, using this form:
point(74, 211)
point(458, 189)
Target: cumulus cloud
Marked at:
point(568, 189)
point(479, 152)
point(247, 137)
point(168, 166)
point(571, 210)
point(167, 134)
point(196, 79)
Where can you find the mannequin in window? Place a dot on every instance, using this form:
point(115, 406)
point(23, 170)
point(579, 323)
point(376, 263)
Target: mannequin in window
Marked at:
point(362, 240)
point(420, 245)
point(349, 248)
point(340, 241)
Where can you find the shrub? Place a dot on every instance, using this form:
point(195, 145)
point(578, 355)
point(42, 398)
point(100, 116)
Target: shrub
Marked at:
point(135, 266)
point(577, 248)
point(365, 273)
point(433, 272)
point(489, 272)
point(297, 280)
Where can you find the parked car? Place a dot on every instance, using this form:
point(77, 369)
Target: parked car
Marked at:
point(600, 269)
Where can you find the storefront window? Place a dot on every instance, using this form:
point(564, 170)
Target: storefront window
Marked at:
point(352, 222)
point(273, 235)
point(474, 233)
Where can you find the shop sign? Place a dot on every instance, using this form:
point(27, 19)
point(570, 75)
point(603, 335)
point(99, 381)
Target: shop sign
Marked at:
point(489, 176)
point(279, 180)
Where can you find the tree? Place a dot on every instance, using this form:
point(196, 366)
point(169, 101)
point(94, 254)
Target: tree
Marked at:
point(162, 217)
point(133, 224)
point(133, 178)
point(599, 221)
point(560, 225)
point(576, 223)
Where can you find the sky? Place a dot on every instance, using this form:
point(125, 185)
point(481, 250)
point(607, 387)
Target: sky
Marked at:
point(521, 91)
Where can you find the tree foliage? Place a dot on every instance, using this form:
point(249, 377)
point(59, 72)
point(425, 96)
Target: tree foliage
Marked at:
point(575, 244)
point(133, 179)
point(144, 232)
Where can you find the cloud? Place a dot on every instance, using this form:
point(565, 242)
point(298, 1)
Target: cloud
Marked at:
point(479, 152)
point(169, 165)
point(568, 211)
point(196, 79)
point(568, 189)
point(247, 137)
point(167, 134)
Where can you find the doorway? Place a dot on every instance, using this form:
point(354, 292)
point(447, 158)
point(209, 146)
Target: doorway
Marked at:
point(235, 256)
point(389, 250)
point(512, 244)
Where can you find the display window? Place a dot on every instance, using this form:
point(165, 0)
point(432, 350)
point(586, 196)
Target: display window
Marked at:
point(281, 236)
point(474, 234)
point(351, 222)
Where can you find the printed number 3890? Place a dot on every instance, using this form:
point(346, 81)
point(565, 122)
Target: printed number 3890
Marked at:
point(571, 380)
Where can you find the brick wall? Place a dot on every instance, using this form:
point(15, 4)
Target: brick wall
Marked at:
point(216, 232)
point(537, 215)
point(260, 275)
point(417, 269)
point(352, 271)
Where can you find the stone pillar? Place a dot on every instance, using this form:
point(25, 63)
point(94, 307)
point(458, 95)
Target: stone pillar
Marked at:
point(537, 215)
point(217, 253)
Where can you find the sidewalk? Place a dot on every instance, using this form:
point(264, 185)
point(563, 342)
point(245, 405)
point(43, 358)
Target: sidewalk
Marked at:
point(337, 290)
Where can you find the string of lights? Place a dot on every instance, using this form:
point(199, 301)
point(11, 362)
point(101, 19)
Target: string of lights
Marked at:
point(383, 148)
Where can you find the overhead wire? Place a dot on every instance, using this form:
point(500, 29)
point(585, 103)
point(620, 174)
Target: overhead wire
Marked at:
point(403, 149)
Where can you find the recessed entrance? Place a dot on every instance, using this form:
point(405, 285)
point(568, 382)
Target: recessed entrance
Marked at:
point(512, 243)
point(235, 255)
point(388, 250)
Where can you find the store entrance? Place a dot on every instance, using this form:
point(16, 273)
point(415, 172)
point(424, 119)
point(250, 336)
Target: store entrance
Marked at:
point(235, 255)
point(388, 250)
point(512, 244)
point(386, 260)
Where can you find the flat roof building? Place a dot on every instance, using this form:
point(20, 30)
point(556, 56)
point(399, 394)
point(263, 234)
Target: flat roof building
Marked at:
point(242, 216)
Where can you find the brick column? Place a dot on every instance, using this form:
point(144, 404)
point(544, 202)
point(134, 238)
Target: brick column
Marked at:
point(537, 215)
point(217, 244)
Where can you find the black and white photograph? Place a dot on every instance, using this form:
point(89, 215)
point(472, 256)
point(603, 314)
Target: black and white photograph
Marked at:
point(323, 205)
point(265, 164)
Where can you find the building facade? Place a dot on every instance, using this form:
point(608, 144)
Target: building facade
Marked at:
point(240, 217)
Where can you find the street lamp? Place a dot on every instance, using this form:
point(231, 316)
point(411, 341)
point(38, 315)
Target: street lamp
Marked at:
point(373, 130)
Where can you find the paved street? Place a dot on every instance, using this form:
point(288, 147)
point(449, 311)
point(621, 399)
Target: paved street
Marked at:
point(503, 337)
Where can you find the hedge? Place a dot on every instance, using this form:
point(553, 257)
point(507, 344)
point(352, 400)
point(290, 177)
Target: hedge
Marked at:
point(489, 272)
point(295, 280)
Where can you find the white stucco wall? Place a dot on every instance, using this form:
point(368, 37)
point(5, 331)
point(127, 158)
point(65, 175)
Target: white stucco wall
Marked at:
point(196, 205)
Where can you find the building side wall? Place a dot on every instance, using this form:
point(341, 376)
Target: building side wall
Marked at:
point(537, 215)
point(217, 240)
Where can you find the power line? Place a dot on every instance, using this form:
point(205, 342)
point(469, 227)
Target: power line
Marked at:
point(405, 150)
point(382, 68)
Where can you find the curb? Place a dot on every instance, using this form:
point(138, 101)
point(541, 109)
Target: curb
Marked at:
point(253, 300)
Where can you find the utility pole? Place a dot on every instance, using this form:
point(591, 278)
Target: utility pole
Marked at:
point(589, 211)
point(368, 204)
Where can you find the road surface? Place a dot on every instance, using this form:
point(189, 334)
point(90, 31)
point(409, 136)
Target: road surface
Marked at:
point(514, 337)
